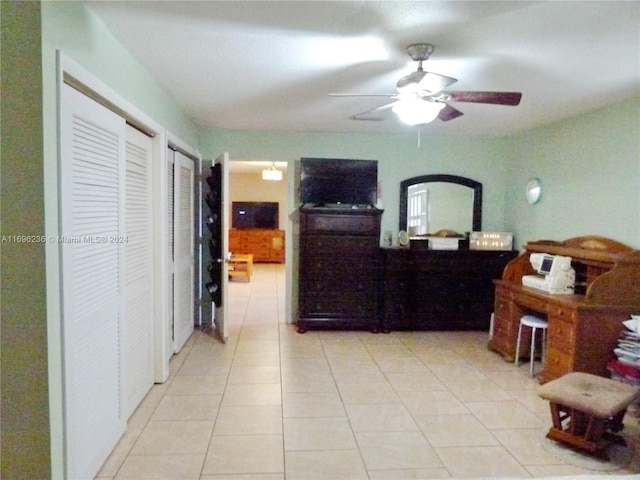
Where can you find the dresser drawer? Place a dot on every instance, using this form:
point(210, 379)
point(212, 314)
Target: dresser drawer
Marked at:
point(338, 283)
point(342, 304)
point(351, 223)
point(341, 245)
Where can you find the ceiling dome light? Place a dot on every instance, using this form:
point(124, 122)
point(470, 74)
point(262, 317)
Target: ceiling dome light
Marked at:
point(417, 111)
point(272, 173)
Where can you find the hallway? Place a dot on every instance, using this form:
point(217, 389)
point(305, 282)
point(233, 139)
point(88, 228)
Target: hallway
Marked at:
point(272, 404)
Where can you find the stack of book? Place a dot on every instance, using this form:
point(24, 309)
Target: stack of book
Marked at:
point(626, 366)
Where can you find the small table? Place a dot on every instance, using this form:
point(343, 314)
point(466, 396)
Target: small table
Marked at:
point(241, 264)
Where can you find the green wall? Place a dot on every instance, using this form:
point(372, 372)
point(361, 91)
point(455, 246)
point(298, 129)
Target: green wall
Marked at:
point(589, 165)
point(25, 436)
point(483, 159)
point(590, 169)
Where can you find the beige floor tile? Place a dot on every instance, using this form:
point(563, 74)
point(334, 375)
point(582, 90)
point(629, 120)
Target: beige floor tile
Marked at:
point(401, 364)
point(312, 405)
point(396, 450)
point(570, 472)
point(248, 476)
point(435, 402)
point(409, 474)
point(513, 379)
point(249, 420)
point(244, 454)
point(258, 359)
point(506, 414)
point(255, 374)
point(414, 381)
point(455, 431)
point(368, 393)
point(308, 383)
point(439, 356)
point(380, 418)
point(173, 437)
point(331, 433)
point(164, 467)
point(325, 465)
point(526, 446)
point(477, 462)
point(197, 385)
point(358, 374)
point(187, 407)
point(477, 390)
point(252, 394)
point(456, 372)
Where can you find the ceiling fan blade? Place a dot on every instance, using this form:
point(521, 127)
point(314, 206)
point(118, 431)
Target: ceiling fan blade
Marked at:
point(434, 82)
point(362, 94)
point(362, 116)
point(498, 98)
point(449, 113)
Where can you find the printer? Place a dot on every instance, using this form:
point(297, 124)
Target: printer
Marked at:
point(555, 274)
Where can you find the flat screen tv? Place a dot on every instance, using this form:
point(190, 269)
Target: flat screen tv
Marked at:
point(254, 215)
point(330, 181)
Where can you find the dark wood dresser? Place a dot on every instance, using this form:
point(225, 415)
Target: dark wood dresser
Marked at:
point(339, 268)
point(439, 289)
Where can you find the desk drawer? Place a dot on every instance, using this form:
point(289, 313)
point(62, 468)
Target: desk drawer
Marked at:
point(564, 314)
point(561, 336)
point(536, 304)
point(558, 363)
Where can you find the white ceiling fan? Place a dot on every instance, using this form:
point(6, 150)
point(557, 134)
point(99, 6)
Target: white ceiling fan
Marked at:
point(420, 97)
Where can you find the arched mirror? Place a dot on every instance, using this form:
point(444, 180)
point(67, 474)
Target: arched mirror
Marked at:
point(440, 202)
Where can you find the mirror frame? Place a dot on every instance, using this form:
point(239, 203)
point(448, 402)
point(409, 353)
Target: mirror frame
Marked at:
point(441, 177)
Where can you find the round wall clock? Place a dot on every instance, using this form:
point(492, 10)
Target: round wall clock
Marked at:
point(533, 190)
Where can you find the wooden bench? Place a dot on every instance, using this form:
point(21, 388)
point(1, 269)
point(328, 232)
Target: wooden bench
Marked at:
point(241, 264)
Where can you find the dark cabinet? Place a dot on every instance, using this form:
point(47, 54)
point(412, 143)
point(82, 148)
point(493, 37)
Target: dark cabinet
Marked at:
point(439, 289)
point(340, 267)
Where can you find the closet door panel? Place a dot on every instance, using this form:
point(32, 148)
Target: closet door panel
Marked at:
point(183, 250)
point(138, 353)
point(93, 265)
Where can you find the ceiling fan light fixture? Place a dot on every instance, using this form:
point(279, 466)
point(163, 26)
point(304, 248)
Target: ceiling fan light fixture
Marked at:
point(417, 111)
point(272, 173)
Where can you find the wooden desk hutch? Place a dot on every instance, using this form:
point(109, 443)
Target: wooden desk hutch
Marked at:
point(583, 327)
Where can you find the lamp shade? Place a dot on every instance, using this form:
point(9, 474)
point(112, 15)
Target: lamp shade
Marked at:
point(417, 111)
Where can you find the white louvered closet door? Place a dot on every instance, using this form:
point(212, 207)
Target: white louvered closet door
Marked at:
point(171, 219)
point(93, 268)
point(139, 328)
point(183, 250)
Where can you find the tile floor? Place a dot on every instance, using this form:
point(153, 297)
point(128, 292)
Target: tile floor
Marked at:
point(274, 404)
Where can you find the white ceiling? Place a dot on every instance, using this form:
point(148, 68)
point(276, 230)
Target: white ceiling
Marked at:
point(269, 65)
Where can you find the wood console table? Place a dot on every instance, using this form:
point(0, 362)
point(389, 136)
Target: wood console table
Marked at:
point(584, 327)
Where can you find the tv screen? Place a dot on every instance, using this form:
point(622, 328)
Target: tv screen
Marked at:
point(327, 181)
point(254, 215)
